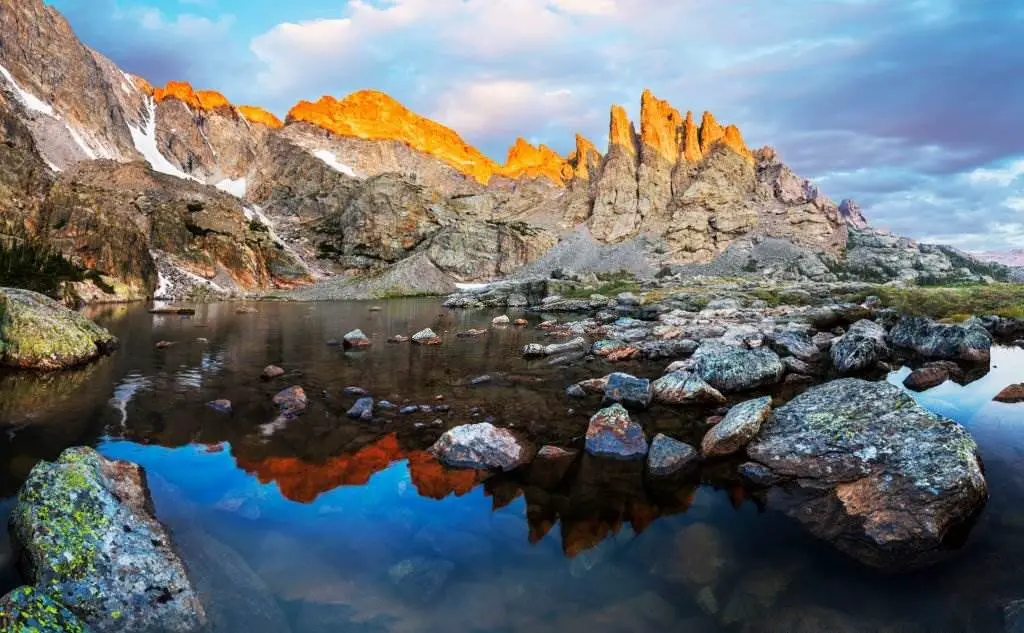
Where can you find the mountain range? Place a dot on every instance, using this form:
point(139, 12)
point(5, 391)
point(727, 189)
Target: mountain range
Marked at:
point(160, 191)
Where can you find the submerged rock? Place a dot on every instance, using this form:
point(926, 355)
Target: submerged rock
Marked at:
point(739, 426)
point(355, 339)
point(880, 478)
point(220, 406)
point(612, 433)
point(36, 332)
point(629, 391)
point(683, 387)
point(362, 409)
point(860, 349)
point(482, 446)
point(1011, 394)
point(731, 369)
point(931, 375)
point(291, 401)
point(669, 456)
point(426, 337)
point(968, 342)
point(534, 350)
point(272, 371)
point(85, 530)
point(29, 610)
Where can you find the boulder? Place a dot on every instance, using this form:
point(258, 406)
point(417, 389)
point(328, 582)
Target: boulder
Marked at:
point(291, 401)
point(29, 610)
point(931, 375)
point(355, 339)
point(860, 349)
point(481, 446)
point(968, 342)
point(1011, 394)
point(362, 409)
point(612, 433)
point(85, 530)
point(426, 337)
point(272, 371)
point(500, 320)
point(535, 350)
point(879, 477)
point(740, 425)
point(670, 456)
point(796, 344)
point(683, 387)
point(627, 390)
point(731, 369)
point(36, 332)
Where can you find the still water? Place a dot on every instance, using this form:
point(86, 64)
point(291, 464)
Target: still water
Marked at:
point(323, 524)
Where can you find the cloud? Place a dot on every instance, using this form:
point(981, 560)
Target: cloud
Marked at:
point(1002, 176)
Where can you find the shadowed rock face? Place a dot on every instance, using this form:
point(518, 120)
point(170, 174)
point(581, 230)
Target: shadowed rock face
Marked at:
point(877, 476)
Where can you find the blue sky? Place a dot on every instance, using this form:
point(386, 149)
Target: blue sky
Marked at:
point(912, 107)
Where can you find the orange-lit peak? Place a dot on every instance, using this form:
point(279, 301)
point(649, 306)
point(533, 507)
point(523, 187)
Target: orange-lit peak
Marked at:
point(255, 114)
point(527, 161)
point(621, 131)
point(370, 114)
point(660, 126)
point(144, 86)
point(583, 161)
point(206, 100)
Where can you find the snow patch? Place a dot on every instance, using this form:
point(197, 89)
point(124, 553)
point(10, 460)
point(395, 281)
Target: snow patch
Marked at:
point(237, 188)
point(145, 141)
point(29, 100)
point(173, 281)
point(331, 159)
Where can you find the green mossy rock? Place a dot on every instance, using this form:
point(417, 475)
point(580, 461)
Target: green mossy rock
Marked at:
point(28, 610)
point(36, 332)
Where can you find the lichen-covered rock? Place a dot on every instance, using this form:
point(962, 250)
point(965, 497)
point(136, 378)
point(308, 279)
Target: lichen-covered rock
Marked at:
point(860, 349)
point(28, 610)
point(879, 477)
point(627, 390)
point(683, 387)
point(669, 456)
point(36, 332)
point(731, 369)
point(739, 426)
point(481, 446)
point(612, 433)
point(968, 342)
point(796, 344)
point(426, 337)
point(86, 534)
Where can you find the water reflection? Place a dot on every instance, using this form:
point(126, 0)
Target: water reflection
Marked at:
point(326, 524)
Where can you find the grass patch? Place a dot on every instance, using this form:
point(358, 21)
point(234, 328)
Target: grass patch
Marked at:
point(609, 285)
point(956, 302)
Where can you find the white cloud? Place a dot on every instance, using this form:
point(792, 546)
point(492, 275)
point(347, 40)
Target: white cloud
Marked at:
point(184, 25)
point(505, 108)
point(1016, 203)
point(1003, 176)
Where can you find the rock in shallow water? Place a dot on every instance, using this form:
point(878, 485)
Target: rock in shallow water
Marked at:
point(1011, 394)
point(968, 342)
point(36, 332)
point(881, 478)
point(612, 433)
point(682, 387)
point(629, 391)
point(291, 401)
point(356, 339)
point(28, 610)
point(362, 409)
point(731, 369)
point(426, 337)
point(85, 529)
point(272, 371)
point(669, 456)
point(481, 446)
point(739, 426)
point(535, 350)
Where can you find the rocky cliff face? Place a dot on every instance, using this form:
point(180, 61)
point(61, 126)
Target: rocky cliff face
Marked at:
point(358, 184)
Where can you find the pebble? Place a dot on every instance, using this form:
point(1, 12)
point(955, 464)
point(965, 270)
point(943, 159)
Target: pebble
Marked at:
point(164, 344)
point(220, 406)
point(272, 371)
point(355, 392)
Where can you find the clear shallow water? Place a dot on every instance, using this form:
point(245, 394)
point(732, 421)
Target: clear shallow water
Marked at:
point(325, 524)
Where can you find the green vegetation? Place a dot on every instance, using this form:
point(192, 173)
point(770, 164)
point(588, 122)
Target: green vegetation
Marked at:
point(956, 302)
point(32, 265)
point(610, 284)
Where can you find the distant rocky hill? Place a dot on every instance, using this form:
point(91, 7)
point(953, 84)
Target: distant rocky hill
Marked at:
point(165, 190)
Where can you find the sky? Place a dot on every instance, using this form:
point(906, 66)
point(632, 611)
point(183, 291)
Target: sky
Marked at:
point(914, 108)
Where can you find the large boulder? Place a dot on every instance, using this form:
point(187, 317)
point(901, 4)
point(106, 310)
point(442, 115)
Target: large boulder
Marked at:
point(877, 475)
point(481, 446)
point(29, 610)
point(36, 332)
point(860, 349)
point(730, 369)
point(612, 433)
point(739, 426)
point(86, 534)
point(968, 342)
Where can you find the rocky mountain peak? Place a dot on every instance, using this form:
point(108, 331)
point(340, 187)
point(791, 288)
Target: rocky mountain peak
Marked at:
point(660, 127)
point(203, 100)
point(850, 212)
point(256, 114)
point(528, 161)
point(584, 161)
point(373, 115)
point(621, 131)
point(691, 140)
point(710, 132)
point(734, 140)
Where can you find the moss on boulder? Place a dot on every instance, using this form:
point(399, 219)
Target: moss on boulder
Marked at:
point(36, 332)
point(28, 610)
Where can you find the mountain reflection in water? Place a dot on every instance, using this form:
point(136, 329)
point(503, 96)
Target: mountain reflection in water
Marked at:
point(321, 523)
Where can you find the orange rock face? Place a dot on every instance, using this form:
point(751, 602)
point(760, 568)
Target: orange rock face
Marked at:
point(254, 114)
point(734, 140)
point(143, 85)
point(621, 131)
point(660, 126)
point(691, 140)
point(583, 161)
point(370, 114)
point(205, 100)
point(710, 132)
point(527, 161)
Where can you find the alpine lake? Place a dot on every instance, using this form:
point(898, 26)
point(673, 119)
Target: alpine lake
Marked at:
point(326, 524)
